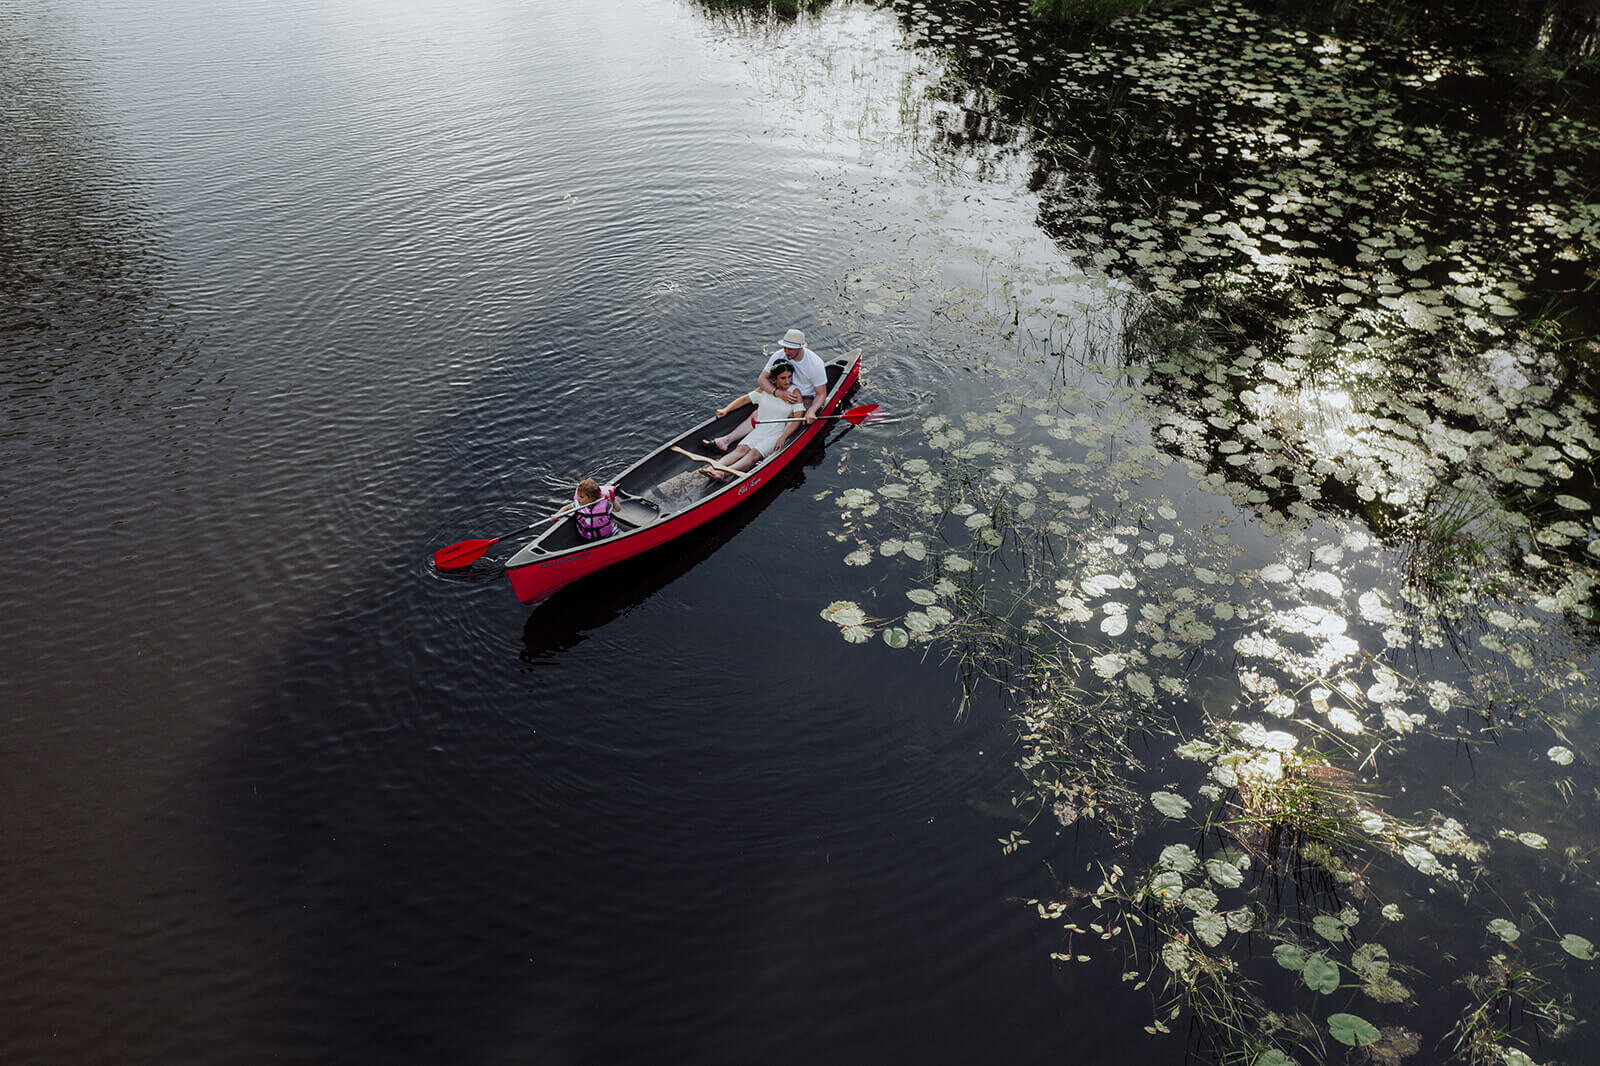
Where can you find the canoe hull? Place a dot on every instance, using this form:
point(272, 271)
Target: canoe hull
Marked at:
point(544, 567)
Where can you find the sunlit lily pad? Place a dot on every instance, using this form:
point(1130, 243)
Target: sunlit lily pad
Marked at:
point(922, 596)
point(1170, 804)
point(856, 634)
point(896, 637)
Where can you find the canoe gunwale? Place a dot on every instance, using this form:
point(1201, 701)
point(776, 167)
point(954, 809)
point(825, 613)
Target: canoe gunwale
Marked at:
point(529, 568)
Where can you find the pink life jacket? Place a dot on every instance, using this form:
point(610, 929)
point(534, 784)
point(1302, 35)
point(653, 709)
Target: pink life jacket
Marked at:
point(594, 519)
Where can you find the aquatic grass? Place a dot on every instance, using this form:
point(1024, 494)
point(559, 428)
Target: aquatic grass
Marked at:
point(1202, 571)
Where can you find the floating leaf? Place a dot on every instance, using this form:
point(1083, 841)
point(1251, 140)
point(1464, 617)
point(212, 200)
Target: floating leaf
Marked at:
point(1504, 929)
point(1560, 756)
point(1179, 857)
point(922, 596)
point(1225, 874)
point(858, 558)
point(896, 638)
point(1352, 1030)
point(1290, 956)
point(1170, 804)
point(856, 634)
point(1320, 975)
point(1273, 1057)
point(1578, 947)
point(1210, 927)
point(1329, 928)
point(845, 608)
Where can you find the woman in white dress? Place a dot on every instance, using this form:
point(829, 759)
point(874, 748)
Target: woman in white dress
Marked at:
point(770, 431)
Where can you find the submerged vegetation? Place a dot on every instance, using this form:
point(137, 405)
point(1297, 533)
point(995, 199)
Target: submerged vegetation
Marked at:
point(1271, 507)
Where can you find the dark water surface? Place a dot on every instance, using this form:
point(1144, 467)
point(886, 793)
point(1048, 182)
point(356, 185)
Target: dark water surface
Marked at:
point(295, 293)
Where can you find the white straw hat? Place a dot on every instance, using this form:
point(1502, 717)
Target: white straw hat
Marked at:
point(794, 339)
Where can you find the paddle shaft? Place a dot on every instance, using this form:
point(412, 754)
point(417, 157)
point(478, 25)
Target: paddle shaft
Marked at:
point(855, 416)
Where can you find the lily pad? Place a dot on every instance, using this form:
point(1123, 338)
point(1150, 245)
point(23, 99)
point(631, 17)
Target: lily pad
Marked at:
point(1290, 956)
point(1352, 1030)
point(1578, 947)
point(1504, 929)
point(1170, 804)
point(1320, 974)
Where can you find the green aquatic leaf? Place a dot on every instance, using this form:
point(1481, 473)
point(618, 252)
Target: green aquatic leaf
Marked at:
point(1210, 927)
point(1505, 930)
point(1320, 974)
point(1578, 947)
point(896, 637)
point(1179, 857)
point(1225, 874)
point(1352, 1030)
point(1170, 804)
point(1273, 1057)
point(924, 597)
point(856, 634)
point(1329, 928)
point(1290, 956)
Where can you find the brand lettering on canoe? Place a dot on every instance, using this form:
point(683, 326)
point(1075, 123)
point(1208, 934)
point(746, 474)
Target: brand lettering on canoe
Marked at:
point(748, 485)
point(558, 562)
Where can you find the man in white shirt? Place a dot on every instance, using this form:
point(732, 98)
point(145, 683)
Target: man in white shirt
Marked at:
point(810, 387)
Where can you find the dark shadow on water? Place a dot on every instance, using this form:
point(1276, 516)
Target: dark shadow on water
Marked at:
point(565, 620)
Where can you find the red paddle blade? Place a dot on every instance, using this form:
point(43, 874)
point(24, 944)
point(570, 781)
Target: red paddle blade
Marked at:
point(458, 555)
point(857, 415)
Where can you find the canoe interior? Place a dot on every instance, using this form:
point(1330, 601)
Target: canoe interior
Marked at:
point(665, 483)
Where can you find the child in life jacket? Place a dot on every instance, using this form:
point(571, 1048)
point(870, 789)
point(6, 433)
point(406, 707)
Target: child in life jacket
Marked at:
point(591, 508)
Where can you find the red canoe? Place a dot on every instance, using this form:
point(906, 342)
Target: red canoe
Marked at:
point(661, 499)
